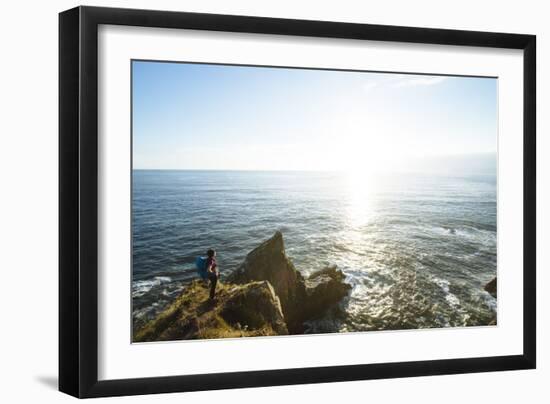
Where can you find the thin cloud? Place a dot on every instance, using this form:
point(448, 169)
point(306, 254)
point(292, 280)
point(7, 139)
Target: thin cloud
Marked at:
point(402, 81)
point(420, 81)
point(370, 85)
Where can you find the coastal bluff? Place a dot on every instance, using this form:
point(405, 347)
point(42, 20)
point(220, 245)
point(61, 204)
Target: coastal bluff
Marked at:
point(265, 295)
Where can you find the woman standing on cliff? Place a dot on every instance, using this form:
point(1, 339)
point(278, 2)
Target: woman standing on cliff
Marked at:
point(212, 271)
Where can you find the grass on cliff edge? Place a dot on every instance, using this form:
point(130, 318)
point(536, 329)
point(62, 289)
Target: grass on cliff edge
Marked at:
point(193, 316)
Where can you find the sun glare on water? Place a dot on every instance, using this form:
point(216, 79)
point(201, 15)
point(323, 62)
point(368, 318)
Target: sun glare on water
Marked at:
point(361, 188)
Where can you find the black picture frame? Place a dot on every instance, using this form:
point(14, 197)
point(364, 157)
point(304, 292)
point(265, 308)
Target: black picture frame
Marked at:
point(78, 200)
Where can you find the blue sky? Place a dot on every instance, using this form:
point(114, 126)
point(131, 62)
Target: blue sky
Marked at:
point(200, 116)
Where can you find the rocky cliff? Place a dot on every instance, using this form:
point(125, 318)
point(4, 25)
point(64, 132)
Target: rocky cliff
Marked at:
point(265, 295)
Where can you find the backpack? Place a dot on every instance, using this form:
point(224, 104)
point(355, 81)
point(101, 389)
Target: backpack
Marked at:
point(200, 263)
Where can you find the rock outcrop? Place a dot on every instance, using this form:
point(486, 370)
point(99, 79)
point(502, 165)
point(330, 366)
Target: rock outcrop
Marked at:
point(265, 295)
point(491, 287)
point(269, 262)
point(324, 289)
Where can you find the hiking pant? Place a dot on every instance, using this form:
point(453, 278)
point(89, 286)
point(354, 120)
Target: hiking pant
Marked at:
point(213, 282)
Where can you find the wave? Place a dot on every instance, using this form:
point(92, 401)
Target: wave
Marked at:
point(466, 233)
point(141, 287)
point(445, 287)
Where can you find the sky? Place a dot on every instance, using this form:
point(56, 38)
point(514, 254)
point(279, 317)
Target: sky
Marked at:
point(203, 116)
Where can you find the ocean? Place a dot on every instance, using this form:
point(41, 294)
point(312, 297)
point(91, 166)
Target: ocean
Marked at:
point(417, 249)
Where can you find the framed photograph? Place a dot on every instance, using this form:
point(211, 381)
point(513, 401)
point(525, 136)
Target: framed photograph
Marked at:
point(249, 201)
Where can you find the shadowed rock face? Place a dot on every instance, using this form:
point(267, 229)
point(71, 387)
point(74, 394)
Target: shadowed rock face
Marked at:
point(253, 305)
point(491, 287)
point(266, 295)
point(324, 289)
